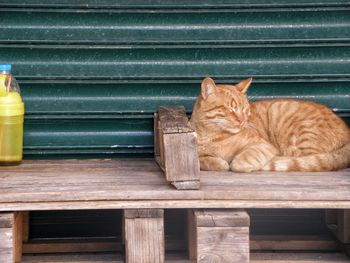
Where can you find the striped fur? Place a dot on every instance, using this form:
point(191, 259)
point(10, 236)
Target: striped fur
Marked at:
point(271, 135)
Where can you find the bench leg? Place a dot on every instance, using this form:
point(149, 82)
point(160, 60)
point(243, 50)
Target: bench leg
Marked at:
point(338, 222)
point(220, 235)
point(144, 235)
point(11, 237)
point(25, 226)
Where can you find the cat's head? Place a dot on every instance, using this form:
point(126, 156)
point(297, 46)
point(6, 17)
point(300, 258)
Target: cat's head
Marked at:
point(224, 107)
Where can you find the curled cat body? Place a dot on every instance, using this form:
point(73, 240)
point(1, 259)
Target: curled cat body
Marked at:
point(270, 135)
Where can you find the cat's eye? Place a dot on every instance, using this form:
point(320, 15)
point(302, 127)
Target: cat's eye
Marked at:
point(214, 114)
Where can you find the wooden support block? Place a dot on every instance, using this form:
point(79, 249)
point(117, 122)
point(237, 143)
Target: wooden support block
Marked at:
point(11, 237)
point(176, 147)
point(144, 235)
point(338, 222)
point(25, 226)
point(219, 235)
point(343, 230)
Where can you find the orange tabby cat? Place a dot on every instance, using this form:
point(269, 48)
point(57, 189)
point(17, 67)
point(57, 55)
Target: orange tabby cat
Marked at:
point(272, 135)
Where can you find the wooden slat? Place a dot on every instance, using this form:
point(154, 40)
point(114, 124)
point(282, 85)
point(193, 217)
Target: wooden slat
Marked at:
point(295, 243)
point(139, 183)
point(257, 242)
point(256, 258)
point(71, 246)
point(169, 204)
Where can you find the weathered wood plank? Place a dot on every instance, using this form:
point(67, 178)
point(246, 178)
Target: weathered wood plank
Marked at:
point(222, 244)
point(176, 148)
point(222, 218)
point(219, 236)
point(7, 241)
point(139, 183)
point(143, 213)
point(11, 237)
point(292, 243)
point(256, 258)
point(144, 236)
point(257, 242)
point(71, 246)
point(169, 204)
point(299, 257)
point(6, 220)
point(173, 119)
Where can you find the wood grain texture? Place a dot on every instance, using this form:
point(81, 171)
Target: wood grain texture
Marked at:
point(221, 218)
point(18, 234)
point(25, 226)
point(181, 157)
point(70, 246)
point(292, 257)
point(176, 148)
point(10, 237)
point(223, 244)
point(139, 183)
point(293, 243)
point(143, 213)
point(191, 234)
point(144, 238)
point(7, 253)
point(256, 258)
point(257, 242)
point(173, 119)
point(219, 235)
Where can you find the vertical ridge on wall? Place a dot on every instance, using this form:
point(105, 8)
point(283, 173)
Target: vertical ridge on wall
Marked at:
point(93, 72)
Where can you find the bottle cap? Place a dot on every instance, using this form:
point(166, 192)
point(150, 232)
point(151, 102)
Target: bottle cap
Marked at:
point(5, 67)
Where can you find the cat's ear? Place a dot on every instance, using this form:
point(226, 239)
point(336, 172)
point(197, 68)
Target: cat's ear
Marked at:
point(244, 85)
point(208, 87)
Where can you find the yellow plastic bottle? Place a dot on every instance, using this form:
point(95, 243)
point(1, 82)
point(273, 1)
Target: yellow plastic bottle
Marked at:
point(11, 119)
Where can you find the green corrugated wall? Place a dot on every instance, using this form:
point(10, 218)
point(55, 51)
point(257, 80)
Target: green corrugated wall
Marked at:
point(93, 72)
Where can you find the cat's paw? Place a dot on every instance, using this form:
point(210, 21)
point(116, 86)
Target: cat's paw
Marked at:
point(209, 163)
point(240, 166)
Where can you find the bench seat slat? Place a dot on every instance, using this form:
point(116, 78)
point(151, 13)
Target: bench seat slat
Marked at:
point(113, 183)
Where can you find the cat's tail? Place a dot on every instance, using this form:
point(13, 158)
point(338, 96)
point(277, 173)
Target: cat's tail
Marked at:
point(336, 160)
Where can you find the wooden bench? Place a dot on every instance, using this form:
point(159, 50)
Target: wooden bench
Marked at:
point(140, 184)
point(218, 226)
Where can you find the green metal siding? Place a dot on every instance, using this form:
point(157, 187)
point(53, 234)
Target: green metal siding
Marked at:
point(93, 72)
